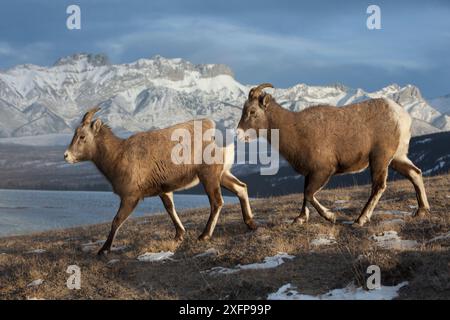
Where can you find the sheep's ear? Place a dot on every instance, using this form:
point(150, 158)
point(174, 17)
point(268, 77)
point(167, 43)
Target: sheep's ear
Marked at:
point(96, 126)
point(264, 100)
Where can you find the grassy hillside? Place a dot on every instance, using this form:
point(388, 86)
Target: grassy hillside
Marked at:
point(325, 256)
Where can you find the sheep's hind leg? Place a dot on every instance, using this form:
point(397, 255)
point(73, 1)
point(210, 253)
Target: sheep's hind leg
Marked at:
point(212, 188)
point(167, 200)
point(405, 167)
point(379, 177)
point(239, 188)
point(127, 206)
point(315, 182)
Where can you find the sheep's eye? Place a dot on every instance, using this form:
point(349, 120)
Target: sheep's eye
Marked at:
point(252, 112)
point(82, 138)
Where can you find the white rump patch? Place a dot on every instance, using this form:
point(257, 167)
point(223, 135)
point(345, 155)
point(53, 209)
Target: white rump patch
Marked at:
point(404, 121)
point(228, 157)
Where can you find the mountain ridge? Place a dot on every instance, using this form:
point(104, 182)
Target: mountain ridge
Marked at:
point(157, 92)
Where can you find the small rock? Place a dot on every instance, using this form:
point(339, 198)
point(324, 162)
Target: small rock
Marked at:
point(392, 222)
point(35, 283)
point(323, 240)
point(37, 251)
point(119, 248)
point(211, 252)
point(112, 262)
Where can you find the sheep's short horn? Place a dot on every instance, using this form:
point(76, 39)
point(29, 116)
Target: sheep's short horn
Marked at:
point(256, 92)
point(89, 115)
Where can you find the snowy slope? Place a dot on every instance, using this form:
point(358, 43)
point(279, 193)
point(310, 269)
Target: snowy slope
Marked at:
point(158, 92)
point(442, 104)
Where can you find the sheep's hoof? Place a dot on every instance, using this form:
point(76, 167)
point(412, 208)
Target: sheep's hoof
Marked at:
point(252, 225)
point(103, 252)
point(204, 237)
point(421, 213)
point(300, 220)
point(179, 236)
point(332, 219)
point(359, 223)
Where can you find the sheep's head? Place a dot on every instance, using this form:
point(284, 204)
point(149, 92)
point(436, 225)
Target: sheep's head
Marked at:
point(254, 113)
point(84, 145)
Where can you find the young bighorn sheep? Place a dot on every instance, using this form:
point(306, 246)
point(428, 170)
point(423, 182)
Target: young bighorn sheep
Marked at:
point(323, 141)
point(142, 166)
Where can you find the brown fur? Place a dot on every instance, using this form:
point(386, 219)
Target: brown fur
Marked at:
point(323, 141)
point(141, 166)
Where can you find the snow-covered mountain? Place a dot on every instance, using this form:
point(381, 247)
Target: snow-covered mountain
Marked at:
point(157, 92)
point(442, 104)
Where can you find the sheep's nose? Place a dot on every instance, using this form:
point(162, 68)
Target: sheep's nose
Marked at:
point(66, 154)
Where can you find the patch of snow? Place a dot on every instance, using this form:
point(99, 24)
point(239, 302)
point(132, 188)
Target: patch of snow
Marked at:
point(340, 201)
point(391, 240)
point(119, 248)
point(35, 283)
point(38, 251)
point(34, 298)
point(211, 252)
point(412, 206)
point(288, 292)
point(94, 243)
point(90, 246)
point(155, 257)
point(269, 263)
point(391, 222)
point(323, 240)
point(393, 212)
point(424, 141)
point(112, 262)
point(42, 140)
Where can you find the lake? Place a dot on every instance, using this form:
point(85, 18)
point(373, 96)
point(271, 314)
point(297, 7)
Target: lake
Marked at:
point(25, 211)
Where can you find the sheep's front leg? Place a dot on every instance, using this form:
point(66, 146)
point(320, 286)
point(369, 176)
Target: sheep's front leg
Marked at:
point(127, 206)
point(304, 214)
point(314, 182)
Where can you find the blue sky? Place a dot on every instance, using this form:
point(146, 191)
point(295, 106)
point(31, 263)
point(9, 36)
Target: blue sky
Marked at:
point(284, 42)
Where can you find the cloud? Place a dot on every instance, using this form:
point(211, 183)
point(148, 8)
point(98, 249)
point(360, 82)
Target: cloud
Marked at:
point(36, 52)
point(206, 39)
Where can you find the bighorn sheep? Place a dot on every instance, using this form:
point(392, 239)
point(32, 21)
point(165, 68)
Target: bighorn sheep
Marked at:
point(141, 166)
point(323, 141)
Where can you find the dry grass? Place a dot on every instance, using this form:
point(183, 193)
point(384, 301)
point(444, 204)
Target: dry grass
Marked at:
point(315, 270)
